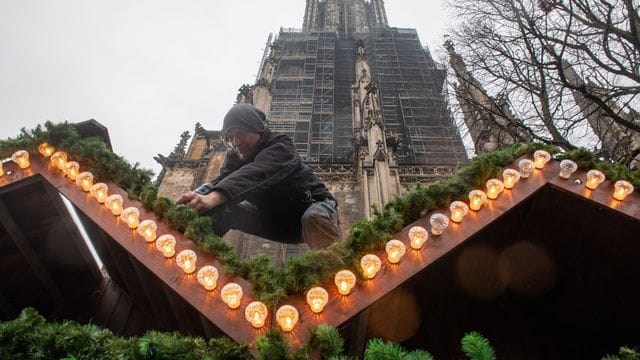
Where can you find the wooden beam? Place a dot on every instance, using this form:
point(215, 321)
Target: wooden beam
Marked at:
point(359, 340)
point(73, 230)
point(9, 185)
point(27, 251)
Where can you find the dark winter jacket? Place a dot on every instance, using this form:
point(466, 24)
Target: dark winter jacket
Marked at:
point(274, 179)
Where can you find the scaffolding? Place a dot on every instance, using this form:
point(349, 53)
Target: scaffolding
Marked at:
point(314, 73)
point(412, 99)
point(305, 94)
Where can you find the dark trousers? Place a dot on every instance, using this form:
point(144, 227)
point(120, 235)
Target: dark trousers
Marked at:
point(318, 226)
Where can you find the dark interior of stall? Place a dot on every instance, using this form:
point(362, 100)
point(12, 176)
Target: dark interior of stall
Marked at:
point(555, 278)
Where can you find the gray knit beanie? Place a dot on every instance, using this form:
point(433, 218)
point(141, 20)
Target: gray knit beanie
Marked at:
point(244, 116)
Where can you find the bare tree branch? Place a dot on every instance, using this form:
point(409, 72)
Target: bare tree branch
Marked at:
point(564, 65)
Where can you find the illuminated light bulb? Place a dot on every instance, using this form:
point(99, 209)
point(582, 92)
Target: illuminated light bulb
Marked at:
point(147, 229)
point(418, 237)
point(370, 265)
point(208, 277)
point(541, 158)
point(287, 317)
point(100, 191)
point(317, 299)
point(231, 294)
point(166, 244)
point(477, 198)
point(395, 250)
point(345, 281)
point(186, 260)
point(45, 149)
point(71, 170)
point(130, 216)
point(439, 223)
point(256, 314)
point(526, 168)
point(21, 157)
point(567, 167)
point(622, 189)
point(114, 204)
point(85, 180)
point(510, 177)
point(458, 211)
point(594, 178)
point(494, 188)
point(58, 159)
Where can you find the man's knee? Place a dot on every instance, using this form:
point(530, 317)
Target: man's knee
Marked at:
point(320, 225)
point(314, 216)
point(319, 214)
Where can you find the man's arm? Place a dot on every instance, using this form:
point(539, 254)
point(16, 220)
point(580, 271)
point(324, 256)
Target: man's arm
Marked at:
point(200, 202)
point(204, 197)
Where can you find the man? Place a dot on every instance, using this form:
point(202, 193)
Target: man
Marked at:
point(264, 188)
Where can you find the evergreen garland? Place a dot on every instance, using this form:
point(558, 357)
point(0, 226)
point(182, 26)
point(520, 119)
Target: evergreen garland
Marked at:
point(30, 336)
point(89, 152)
point(586, 160)
point(269, 283)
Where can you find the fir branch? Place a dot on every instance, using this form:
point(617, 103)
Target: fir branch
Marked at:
point(311, 269)
point(198, 229)
point(625, 353)
point(273, 346)
point(179, 217)
point(167, 346)
point(268, 282)
point(213, 244)
point(327, 340)
point(419, 355)
point(148, 196)
point(226, 349)
point(378, 349)
point(477, 347)
point(161, 207)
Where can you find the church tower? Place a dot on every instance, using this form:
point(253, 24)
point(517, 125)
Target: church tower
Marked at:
point(490, 121)
point(617, 142)
point(364, 103)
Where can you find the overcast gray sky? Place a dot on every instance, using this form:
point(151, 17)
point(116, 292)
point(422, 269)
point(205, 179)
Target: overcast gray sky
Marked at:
point(147, 69)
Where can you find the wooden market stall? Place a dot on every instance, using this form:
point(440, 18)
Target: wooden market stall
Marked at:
point(546, 270)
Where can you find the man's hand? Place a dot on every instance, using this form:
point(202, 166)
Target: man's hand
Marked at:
point(202, 203)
